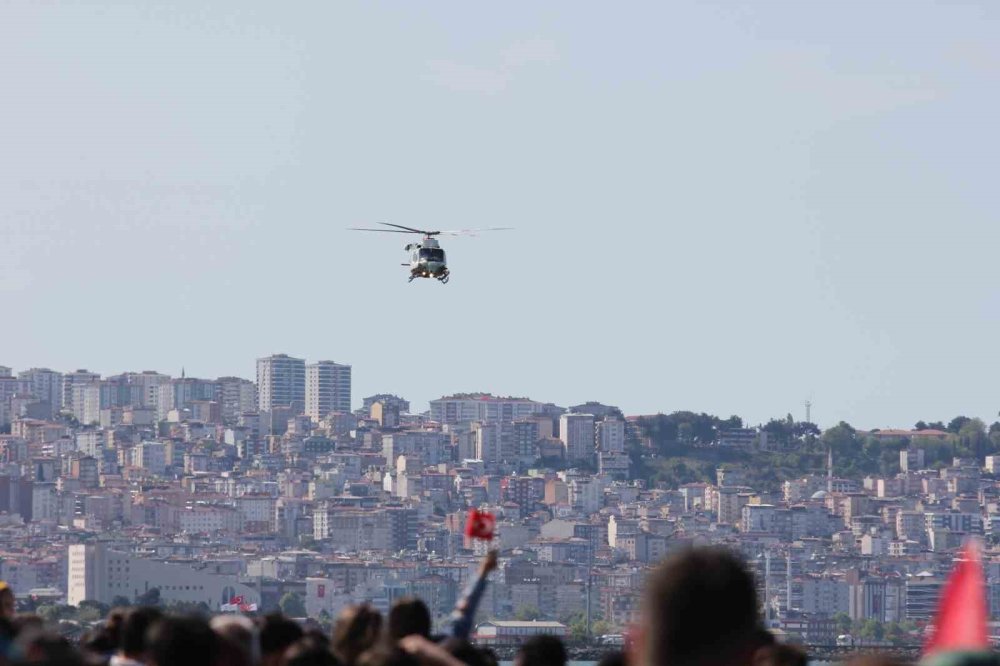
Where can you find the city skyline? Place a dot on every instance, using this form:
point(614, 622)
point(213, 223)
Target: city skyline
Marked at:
point(731, 208)
point(798, 412)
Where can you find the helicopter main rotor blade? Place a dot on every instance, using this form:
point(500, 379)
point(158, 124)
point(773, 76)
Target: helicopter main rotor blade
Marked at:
point(384, 231)
point(410, 229)
point(473, 232)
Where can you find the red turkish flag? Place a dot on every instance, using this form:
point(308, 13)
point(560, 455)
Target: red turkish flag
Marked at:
point(480, 525)
point(961, 619)
point(236, 601)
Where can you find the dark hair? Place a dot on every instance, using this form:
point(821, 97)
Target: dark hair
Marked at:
point(6, 591)
point(356, 630)
point(277, 633)
point(27, 622)
point(701, 607)
point(489, 656)
point(782, 655)
point(616, 658)
point(386, 655)
point(317, 635)
point(45, 647)
point(108, 636)
point(309, 651)
point(409, 616)
point(542, 651)
point(182, 641)
point(134, 628)
point(7, 631)
point(231, 651)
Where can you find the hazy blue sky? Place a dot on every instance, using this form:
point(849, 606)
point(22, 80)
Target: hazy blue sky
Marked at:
point(727, 207)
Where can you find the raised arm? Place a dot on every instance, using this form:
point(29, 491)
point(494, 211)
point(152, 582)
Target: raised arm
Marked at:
point(465, 610)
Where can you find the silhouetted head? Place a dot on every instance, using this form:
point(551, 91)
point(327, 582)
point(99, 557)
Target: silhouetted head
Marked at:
point(780, 654)
point(541, 651)
point(46, 648)
point(356, 630)
point(700, 609)
point(616, 658)
point(309, 651)
point(386, 655)
point(181, 641)
point(134, 630)
point(107, 638)
point(277, 633)
point(7, 601)
point(239, 631)
point(409, 616)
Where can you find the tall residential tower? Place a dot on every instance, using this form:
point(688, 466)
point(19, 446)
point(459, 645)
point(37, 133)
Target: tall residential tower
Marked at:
point(328, 389)
point(281, 382)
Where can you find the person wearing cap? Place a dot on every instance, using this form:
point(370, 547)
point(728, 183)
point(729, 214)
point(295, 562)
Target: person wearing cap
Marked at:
point(7, 608)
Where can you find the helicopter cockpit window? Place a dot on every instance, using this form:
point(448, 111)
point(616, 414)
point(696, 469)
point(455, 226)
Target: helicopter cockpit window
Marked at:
point(432, 254)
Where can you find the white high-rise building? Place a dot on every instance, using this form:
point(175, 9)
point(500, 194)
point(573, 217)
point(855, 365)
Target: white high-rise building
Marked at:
point(482, 407)
point(328, 389)
point(611, 435)
point(237, 395)
point(494, 442)
point(577, 434)
point(73, 379)
point(281, 382)
point(9, 387)
point(180, 393)
point(151, 384)
point(85, 402)
point(45, 385)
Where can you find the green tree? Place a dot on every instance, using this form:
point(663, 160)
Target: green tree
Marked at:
point(527, 613)
point(120, 602)
point(102, 609)
point(973, 442)
point(601, 628)
point(895, 633)
point(872, 629)
point(955, 425)
point(53, 613)
point(292, 605)
point(189, 608)
point(843, 622)
point(578, 631)
point(325, 621)
point(88, 614)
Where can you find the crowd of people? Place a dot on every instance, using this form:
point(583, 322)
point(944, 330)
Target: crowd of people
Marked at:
point(701, 609)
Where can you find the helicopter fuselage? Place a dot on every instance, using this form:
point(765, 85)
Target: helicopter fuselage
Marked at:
point(428, 260)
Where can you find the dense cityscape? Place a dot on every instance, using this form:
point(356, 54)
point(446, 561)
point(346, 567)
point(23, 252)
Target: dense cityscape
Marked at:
point(142, 488)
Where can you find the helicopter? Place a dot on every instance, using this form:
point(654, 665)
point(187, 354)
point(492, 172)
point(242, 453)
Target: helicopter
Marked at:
point(427, 258)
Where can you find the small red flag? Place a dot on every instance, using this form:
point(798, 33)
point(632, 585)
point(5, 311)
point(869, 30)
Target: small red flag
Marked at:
point(962, 617)
point(236, 600)
point(480, 525)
